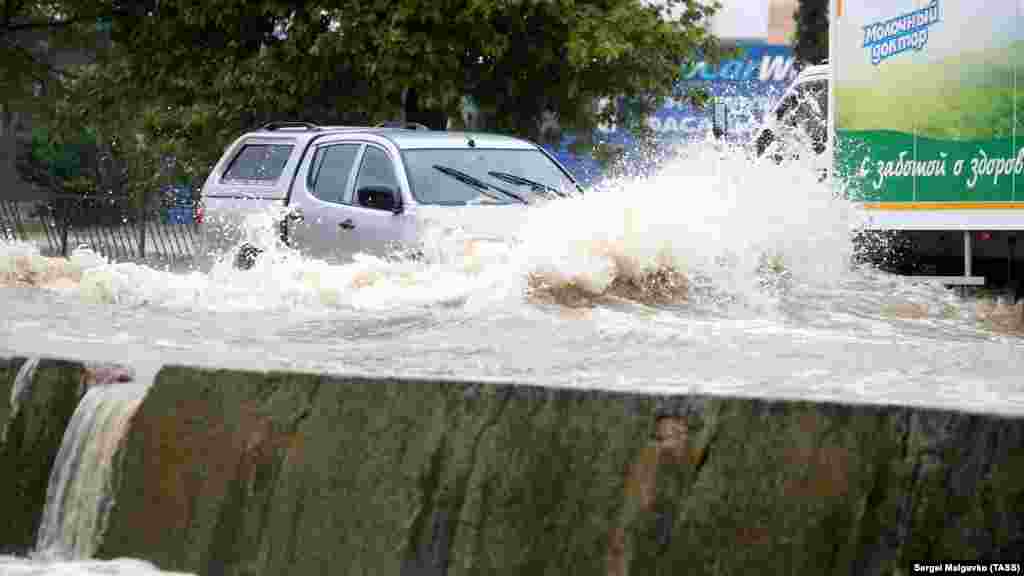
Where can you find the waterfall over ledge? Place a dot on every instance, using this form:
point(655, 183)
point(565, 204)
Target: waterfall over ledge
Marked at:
point(231, 472)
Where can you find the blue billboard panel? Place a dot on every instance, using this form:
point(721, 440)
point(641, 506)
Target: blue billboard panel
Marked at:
point(748, 85)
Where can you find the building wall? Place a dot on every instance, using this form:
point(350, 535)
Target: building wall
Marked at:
point(781, 24)
point(766, 20)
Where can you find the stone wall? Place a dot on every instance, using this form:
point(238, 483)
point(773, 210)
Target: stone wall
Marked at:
point(228, 472)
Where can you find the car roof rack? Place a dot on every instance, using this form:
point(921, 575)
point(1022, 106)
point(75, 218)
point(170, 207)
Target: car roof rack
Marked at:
point(405, 125)
point(271, 126)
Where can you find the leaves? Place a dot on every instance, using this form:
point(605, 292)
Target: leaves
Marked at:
point(190, 75)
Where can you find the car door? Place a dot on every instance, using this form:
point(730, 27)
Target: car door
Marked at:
point(335, 224)
point(319, 200)
point(372, 229)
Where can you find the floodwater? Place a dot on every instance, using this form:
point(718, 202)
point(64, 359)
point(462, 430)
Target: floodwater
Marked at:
point(718, 274)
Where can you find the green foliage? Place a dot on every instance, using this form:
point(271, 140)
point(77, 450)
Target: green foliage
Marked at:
point(87, 145)
point(35, 35)
point(811, 44)
point(234, 64)
point(57, 165)
point(179, 79)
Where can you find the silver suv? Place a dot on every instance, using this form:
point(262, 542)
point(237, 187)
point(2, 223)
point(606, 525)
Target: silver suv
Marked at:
point(334, 191)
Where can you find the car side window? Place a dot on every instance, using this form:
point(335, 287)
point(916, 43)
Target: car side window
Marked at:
point(259, 163)
point(331, 170)
point(376, 170)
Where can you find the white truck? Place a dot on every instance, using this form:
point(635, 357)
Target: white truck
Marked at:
point(916, 112)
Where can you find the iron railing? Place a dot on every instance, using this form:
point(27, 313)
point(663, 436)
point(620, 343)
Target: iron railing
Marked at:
point(110, 226)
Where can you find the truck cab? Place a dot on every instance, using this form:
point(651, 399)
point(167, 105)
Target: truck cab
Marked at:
point(800, 116)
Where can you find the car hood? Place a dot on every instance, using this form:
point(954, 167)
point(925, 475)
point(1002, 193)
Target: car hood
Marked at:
point(488, 222)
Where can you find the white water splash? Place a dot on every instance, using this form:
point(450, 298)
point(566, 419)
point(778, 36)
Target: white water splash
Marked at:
point(715, 216)
point(15, 566)
point(80, 493)
point(711, 214)
point(21, 264)
point(22, 381)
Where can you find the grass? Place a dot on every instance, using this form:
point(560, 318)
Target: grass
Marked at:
point(964, 97)
point(33, 228)
point(967, 114)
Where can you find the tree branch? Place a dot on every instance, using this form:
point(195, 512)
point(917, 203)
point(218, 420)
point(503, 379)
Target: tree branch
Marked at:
point(35, 63)
point(48, 24)
point(57, 24)
point(12, 7)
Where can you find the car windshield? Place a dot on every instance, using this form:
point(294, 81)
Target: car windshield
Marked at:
point(487, 176)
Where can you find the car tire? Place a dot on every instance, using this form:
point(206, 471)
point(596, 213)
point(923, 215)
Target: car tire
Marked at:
point(246, 256)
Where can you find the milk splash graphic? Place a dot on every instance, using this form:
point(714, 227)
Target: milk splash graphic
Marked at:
point(712, 220)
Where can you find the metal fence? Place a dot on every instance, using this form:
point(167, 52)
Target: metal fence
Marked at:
point(110, 226)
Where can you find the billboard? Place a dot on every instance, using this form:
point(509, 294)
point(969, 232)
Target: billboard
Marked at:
point(926, 106)
point(748, 84)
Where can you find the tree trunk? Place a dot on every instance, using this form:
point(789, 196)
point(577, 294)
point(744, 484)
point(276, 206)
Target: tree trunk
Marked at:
point(7, 150)
point(413, 112)
point(5, 120)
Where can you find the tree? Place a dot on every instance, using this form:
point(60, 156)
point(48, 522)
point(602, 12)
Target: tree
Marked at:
point(564, 61)
point(219, 68)
point(179, 79)
point(40, 43)
point(811, 44)
point(33, 33)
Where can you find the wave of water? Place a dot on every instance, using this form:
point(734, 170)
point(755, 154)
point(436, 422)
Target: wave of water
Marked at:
point(718, 273)
point(713, 230)
point(712, 219)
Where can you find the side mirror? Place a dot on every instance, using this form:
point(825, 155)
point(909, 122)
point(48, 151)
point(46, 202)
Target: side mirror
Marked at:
point(720, 119)
point(379, 198)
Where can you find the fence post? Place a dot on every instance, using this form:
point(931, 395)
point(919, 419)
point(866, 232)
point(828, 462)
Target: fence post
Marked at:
point(142, 230)
point(7, 231)
point(19, 227)
point(65, 223)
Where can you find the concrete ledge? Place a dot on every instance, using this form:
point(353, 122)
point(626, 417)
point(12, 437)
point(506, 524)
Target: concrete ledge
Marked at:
point(230, 472)
point(234, 472)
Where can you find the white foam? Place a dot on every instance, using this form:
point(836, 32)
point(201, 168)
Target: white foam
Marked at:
point(709, 213)
point(16, 566)
point(716, 216)
point(80, 492)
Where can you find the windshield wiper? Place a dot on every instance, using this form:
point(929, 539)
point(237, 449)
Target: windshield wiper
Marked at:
point(520, 181)
point(477, 183)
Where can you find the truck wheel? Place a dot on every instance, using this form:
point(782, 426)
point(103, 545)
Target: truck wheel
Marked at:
point(888, 250)
point(764, 141)
point(246, 257)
